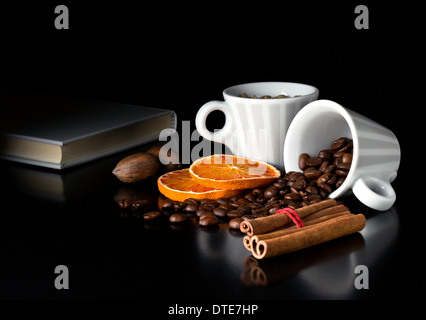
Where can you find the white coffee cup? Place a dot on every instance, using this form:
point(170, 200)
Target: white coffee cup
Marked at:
point(376, 151)
point(256, 128)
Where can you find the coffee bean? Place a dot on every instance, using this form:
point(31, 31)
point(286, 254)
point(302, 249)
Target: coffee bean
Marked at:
point(302, 179)
point(220, 212)
point(125, 203)
point(337, 144)
point(313, 161)
point(234, 214)
point(200, 212)
point(261, 200)
point(282, 180)
point(323, 179)
point(312, 190)
point(292, 190)
point(234, 198)
point(344, 166)
point(166, 205)
point(347, 158)
point(332, 180)
point(191, 207)
point(208, 221)
point(292, 196)
point(235, 223)
point(234, 205)
point(329, 169)
point(312, 197)
point(282, 193)
point(257, 191)
point(279, 185)
point(312, 173)
point(337, 161)
point(139, 204)
point(325, 155)
point(255, 205)
point(226, 206)
point(259, 212)
point(326, 187)
point(250, 197)
point(205, 207)
point(209, 202)
point(315, 201)
point(300, 184)
point(339, 154)
point(323, 166)
point(294, 175)
point(242, 201)
point(151, 215)
point(273, 211)
point(302, 161)
point(270, 192)
point(347, 147)
point(340, 181)
point(206, 214)
point(341, 173)
point(273, 199)
point(245, 209)
point(179, 206)
point(222, 201)
point(304, 203)
point(293, 205)
point(178, 218)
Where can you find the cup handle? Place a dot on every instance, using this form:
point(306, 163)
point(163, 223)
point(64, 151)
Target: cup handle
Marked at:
point(375, 192)
point(200, 121)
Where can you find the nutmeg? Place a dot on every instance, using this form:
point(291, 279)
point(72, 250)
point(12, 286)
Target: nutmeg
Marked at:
point(174, 163)
point(137, 167)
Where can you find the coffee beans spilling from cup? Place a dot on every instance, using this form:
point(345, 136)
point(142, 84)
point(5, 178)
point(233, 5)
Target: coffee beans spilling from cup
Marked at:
point(326, 172)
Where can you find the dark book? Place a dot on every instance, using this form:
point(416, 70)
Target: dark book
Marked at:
point(59, 132)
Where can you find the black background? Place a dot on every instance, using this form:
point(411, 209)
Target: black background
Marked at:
point(179, 55)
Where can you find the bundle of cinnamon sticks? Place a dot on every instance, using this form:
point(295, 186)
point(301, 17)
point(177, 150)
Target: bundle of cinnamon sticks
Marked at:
point(276, 234)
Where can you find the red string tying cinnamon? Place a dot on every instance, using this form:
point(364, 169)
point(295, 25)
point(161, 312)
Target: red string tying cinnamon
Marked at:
point(293, 216)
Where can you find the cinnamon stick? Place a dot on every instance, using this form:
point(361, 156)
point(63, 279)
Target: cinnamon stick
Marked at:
point(272, 222)
point(328, 213)
point(281, 232)
point(247, 242)
point(309, 236)
point(325, 212)
point(314, 218)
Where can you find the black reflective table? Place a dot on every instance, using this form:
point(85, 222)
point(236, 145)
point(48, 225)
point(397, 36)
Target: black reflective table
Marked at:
point(72, 218)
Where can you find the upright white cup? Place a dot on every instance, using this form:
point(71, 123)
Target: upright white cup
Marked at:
point(376, 151)
point(256, 128)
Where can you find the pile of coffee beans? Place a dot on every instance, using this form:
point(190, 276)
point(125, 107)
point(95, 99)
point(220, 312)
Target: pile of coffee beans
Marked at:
point(327, 171)
point(321, 175)
point(280, 96)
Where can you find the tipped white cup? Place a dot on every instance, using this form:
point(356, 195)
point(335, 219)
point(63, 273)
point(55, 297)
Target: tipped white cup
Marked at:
point(376, 151)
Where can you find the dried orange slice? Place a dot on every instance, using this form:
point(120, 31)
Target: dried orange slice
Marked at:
point(230, 172)
point(179, 185)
